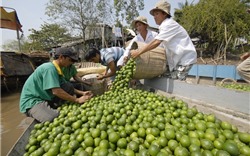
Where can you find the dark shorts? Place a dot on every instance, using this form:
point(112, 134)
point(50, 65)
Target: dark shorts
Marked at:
point(67, 87)
point(178, 73)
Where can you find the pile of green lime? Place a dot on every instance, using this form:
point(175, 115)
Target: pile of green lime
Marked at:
point(124, 76)
point(237, 86)
point(129, 122)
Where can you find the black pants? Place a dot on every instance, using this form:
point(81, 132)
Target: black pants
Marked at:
point(57, 102)
point(78, 86)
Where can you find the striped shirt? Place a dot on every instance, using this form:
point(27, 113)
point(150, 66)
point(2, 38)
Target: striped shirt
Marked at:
point(111, 54)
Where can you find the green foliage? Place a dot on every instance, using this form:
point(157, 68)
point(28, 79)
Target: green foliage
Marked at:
point(216, 21)
point(13, 45)
point(50, 35)
point(237, 86)
point(79, 14)
point(127, 9)
point(83, 16)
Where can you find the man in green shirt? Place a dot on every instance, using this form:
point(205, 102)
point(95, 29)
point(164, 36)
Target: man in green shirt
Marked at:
point(45, 84)
point(71, 72)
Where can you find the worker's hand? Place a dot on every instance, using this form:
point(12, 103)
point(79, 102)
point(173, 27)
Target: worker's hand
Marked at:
point(245, 56)
point(134, 53)
point(83, 99)
point(125, 60)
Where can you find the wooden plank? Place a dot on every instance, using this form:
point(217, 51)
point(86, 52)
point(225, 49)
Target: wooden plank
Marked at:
point(19, 146)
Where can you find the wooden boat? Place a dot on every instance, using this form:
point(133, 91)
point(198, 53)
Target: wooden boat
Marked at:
point(228, 105)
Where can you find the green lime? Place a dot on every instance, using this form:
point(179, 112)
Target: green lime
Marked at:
point(181, 151)
point(231, 148)
point(113, 137)
point(122, 143)
point(153, 150)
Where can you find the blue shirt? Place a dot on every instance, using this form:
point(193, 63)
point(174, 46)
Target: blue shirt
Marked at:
point(111, 54)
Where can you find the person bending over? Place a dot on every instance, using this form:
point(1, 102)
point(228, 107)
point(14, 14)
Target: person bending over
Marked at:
point(109, 57)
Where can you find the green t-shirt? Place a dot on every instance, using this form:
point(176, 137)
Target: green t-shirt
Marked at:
point(37, 87)
point(69, 72)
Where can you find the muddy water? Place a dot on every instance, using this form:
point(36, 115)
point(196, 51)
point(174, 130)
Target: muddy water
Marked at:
point(13, 123)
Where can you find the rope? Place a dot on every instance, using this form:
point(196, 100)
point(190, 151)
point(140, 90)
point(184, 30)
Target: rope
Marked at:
point(5, 84)
point(17, 80)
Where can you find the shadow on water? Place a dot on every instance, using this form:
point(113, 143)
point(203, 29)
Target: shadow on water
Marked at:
point(13, 123)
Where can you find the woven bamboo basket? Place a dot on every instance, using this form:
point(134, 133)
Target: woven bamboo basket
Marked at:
point(150, 64)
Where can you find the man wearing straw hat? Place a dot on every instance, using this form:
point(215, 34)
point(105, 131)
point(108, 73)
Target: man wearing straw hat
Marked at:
point(144, 34)
point(180, 51)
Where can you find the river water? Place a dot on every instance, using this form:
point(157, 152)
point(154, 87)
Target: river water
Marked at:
point(13, 123)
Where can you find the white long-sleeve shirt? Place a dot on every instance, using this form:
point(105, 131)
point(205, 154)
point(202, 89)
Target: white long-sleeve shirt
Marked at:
point(138, 38)
point(177, 44)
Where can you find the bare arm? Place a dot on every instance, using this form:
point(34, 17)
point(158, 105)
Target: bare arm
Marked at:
point(153, 44)
point(245, 56)
point(83, 93)
point(59, 92)
point(112, 68)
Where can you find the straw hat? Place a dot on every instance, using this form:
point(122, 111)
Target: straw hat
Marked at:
point(141, 19)
point(162, 5)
